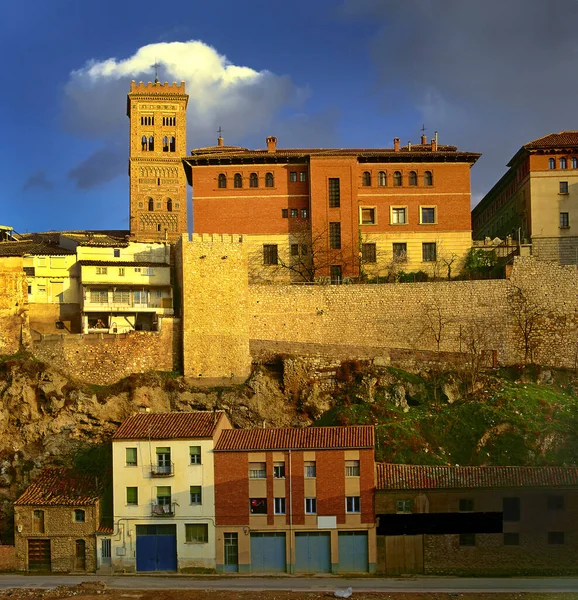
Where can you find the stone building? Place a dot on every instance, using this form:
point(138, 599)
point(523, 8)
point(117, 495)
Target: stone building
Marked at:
point(536, 200)
point(295, 500)
point(56, 521)
point(476, 520)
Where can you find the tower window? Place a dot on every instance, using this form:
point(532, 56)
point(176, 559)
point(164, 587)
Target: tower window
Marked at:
point(238, 180)
point(381, 179)
point(551, 163)
point(151, 205)
point(145, 145)
point(269, 181)
point(563, 163)
point(165, 144)
point(366, 178)
point(253, 180)
point(169, 205)
point(397, 178)
point(428, 178)
point(151, 143)
point(158, 226)
point(412, 178)
point(222, 180)
point(173, 145)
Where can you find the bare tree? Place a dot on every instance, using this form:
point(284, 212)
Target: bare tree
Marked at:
point(476, 337)
point(529, 318)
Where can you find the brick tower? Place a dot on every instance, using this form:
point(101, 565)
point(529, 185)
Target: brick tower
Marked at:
point(158, 185)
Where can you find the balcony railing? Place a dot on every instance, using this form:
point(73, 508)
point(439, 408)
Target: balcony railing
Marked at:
point(162, 470)
point(163, 510)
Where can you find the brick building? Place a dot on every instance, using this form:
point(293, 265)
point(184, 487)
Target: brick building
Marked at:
point(295, 500)
point(536, 200)
point(476, 520)
point(56, 521)
point(311, 213)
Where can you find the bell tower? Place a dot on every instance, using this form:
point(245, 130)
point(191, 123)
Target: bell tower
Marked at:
point(158, 142)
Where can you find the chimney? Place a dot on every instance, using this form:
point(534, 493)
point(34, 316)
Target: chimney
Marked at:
point(423, 140)
point(396, 144)
point(220, 141)
point(409, 146)
point(271, 144)
point(434, 145)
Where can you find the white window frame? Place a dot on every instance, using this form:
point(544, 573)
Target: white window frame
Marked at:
point(280, 506)
point(352, 468)
point(310, 506)
point(394, 210)
point(309, 467)
point(353, 505)
point(259, 470)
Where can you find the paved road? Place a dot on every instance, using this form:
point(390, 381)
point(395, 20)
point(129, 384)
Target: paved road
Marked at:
point(313, 584)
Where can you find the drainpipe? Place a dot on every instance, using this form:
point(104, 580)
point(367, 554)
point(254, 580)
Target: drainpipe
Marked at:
point(291, 562)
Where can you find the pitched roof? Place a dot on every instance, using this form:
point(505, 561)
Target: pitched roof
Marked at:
point(61, 487)
point(34, 247)
point(100, 239)
point(426, 477)
point(120, 263)
point(169, 426)
point(554, 140)
point(287, 438)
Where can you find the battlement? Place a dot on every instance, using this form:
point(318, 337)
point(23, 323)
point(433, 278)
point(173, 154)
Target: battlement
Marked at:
point(213, 239)
point(157, 88)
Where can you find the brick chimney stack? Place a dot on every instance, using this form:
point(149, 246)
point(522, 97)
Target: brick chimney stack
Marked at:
point(423, 140)
point(220, 141)
point(271, 144)
point(396, 144)
point(434, 145)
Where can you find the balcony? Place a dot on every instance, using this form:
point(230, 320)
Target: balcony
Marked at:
point(163, 470)
point(163, 510)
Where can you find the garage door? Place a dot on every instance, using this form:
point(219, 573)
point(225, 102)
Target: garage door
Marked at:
point(156, 548)
point(268, 553)
point(353, 552)
point(39, 555)
point(313, 552)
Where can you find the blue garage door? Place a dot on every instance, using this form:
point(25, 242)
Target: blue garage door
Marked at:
point(313, 552)
point(353, 552)
point(268, 553)
point(156, 548)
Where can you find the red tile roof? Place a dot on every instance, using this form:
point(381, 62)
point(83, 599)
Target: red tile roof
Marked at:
point(61, 487)
point(120, 263)
point(169, 426)
point(296, 439)
point(33, 248)
point(554, 140)
point(425, 477)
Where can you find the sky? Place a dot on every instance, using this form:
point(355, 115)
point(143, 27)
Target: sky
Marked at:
point(487, 75)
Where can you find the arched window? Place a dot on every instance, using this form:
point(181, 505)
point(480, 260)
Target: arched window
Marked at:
point(381, 178)
point(222, 180)
point(151, 205)
point(563, 163)
point(169, 205)
point(366, 178)
point(151, 143)
point(144, 142)
point(173, 145)
point(551, 163)
point(238, 180)
point(253, 180)
point(165, 144)
point(428, 178)
point(412, 178)
point(397, 178)
point(269, 181)
point(574, 162)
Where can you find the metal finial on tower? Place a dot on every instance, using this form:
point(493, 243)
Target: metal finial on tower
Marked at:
point(220, 131)
point(423, 129)
point(156, 66)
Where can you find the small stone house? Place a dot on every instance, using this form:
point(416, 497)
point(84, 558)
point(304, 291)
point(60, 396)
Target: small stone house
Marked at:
point(56, 520)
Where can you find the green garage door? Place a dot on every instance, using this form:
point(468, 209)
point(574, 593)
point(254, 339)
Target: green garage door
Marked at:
point(353, 552)
point(313, 552)
point(268, 553)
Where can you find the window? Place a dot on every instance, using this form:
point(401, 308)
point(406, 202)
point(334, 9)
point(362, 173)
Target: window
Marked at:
point(195, 454)
point(121, 271)
point(151, 205)
point(285, 213)
point(195, 494)
point(165, 144)
point(303, 249)
point(121, 296)
point(428, 214)
point(197, 533)
point(555, 537)
point(398, 216)
point(366, 178)
point(397, 178)
point(116, 253)
point(574, 162)
point(79, 516)
point(238, 181)
point(163, 460)
point(131, 460)
point(257, 470)
point(563, 187)
point(551, 163)
point(310, 468)
point(511, 509)
point(368, 216)
point(253, 180)
point(96, 296)
point(293, 176)
point(151, 143)
point(29, 289)
point(294, 250)
point(400, 251)
point(222, 180)
point(555, 502)
point(511, 539)
point(269, 181)
point(132, 495)
point(294, 213)
point(467, 539)
point(164, 495)
point(302, 176)
point(335, 236)
point(310, 506)
point(368, 253)
point(428, 178)
point(38, 521)
point(563, 163)
point(564, 219)
point(351, 468)
point(270, 256)
point(101, 270)
point(428, 252)
point(304, 214)
point(279, 506)
point(352, 504)
point(412, 180)
point(466, 504)
point(334, 193)
point(381, 179)
point(258, 506)
point(279, 470)
point(403, 506)
point(335, 274)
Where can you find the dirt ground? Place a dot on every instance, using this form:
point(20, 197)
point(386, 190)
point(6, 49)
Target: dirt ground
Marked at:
point(99, 591)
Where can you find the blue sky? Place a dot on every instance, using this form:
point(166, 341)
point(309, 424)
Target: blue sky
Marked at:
point(489, 76)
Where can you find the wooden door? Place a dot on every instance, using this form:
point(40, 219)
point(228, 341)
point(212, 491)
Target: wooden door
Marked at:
point(403, 554)
point(80, 556)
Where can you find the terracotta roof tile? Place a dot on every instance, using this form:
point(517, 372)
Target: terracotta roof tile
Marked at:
point(61, 487)
point(554, 140)
point(33, 248)
point(425, 477)
point(169, 426)
point(296, 438)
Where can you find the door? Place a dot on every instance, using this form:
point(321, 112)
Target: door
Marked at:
point(80, 555)
point(105, 553)
point(403, 554)
point(313, 552)
point(156, 548)
point(353, 556)
point(231, 553)
point(336, 274)
point(268, 553)
point(39, 555)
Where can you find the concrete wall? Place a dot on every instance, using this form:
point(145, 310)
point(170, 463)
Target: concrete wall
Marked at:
point(14, 327)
